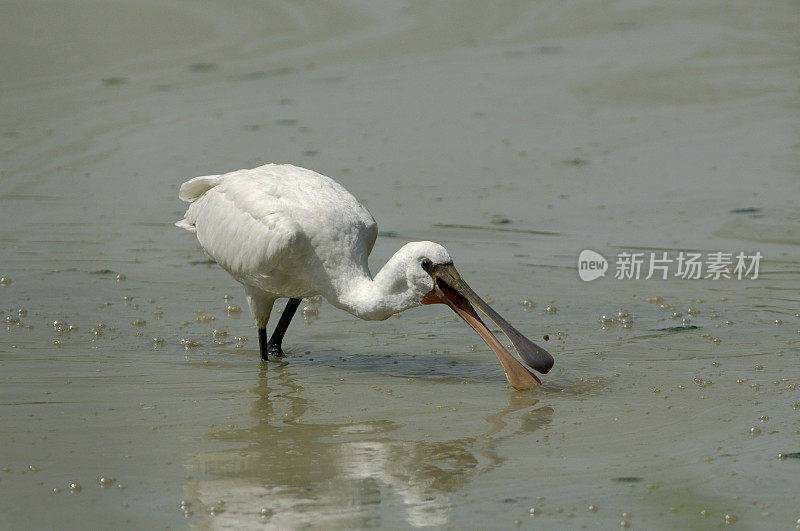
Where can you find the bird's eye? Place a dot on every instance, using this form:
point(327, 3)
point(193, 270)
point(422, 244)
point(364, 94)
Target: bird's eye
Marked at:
point(426, 264)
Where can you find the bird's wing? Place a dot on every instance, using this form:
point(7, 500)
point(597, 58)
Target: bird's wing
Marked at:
point(276, 225)
point(244, 224)
point(322, 207)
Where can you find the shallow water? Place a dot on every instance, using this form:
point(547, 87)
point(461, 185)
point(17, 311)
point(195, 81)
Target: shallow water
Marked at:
point(516, 137)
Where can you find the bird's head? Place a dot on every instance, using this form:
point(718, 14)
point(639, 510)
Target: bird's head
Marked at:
point(430, 270)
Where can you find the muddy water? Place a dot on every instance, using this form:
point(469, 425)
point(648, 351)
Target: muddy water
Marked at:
point(515, 136)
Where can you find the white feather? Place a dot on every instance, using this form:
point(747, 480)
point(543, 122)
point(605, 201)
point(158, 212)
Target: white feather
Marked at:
point(194, 188)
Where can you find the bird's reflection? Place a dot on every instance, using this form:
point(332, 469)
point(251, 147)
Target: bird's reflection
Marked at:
point(532, 420)
point(292, 474)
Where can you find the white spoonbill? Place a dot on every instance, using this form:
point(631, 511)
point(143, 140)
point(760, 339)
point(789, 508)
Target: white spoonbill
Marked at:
point(284, 231)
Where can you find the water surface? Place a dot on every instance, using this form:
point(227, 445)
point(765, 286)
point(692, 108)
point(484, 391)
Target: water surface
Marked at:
point(516, 136)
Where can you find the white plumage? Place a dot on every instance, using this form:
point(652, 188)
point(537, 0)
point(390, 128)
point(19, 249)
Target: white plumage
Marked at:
point(285, 231)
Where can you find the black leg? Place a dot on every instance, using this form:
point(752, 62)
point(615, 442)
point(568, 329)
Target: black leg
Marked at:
point(262, 343)
point(274, 344)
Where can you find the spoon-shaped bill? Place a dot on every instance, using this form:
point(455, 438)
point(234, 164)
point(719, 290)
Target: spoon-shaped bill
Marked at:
point(532, 354)
point(518, 376)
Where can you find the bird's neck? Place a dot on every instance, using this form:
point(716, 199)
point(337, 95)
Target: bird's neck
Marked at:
point(376, 299)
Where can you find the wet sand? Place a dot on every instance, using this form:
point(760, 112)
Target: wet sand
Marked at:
point(516, 137)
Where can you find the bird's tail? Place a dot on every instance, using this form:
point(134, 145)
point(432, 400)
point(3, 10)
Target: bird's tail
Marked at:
point(194, 188)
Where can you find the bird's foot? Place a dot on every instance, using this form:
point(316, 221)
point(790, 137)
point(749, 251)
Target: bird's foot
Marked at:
point(274, 350)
